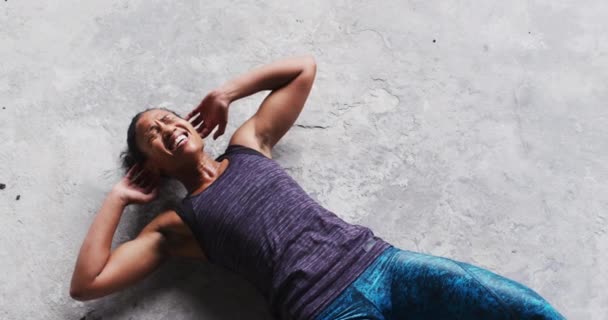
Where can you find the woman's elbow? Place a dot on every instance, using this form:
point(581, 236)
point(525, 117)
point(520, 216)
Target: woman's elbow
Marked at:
point(310, 62)
point(309, 71)
point(78, 294)
point(81, 292)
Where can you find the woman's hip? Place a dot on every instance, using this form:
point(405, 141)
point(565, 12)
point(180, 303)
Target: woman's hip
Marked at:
point(402, 284)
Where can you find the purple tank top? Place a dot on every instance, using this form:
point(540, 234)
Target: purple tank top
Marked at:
point(255, 220)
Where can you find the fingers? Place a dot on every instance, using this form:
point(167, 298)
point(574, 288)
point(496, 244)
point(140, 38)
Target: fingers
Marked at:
point(137, 176)
point(220, 130)
point(197, 112)
point(143, 178)
point(150, 186)
point(201, 127)
point(204, 128)
point(201, 111)
point(197, 120)
point(189, 115)
point(205, 132)
point(142, 184)
point(132, 170)
point(152, 193)
point(192, 113)
point(214, 117)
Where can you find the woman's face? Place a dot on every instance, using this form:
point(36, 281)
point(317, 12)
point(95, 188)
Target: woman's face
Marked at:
point(168, 141)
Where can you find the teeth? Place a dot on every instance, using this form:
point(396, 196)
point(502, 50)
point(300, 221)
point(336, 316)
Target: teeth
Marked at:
point(178, 140)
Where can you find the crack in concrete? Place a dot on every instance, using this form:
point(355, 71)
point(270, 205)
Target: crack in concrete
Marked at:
point(393, 95)
point(378, 33)
point(519, 122)
point(379, 79)
point(345, 107)
point(311, 126)
point(383, 87)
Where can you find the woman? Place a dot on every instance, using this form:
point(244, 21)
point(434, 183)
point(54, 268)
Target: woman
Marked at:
point(245, 213)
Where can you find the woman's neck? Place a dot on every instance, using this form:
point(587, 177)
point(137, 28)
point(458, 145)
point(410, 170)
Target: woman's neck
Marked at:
point(202, 175)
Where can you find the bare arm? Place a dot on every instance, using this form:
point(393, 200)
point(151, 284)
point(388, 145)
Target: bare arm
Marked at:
point(100, 271)
point(289, 79)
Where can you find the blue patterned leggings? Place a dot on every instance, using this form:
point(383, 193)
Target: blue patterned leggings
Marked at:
point(401, 284)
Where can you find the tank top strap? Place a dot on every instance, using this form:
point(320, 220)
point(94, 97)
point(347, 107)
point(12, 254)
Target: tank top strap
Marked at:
point(237, 148)
point(184, 210)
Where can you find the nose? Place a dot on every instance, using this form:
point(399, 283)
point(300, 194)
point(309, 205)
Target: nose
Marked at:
point(166, 129)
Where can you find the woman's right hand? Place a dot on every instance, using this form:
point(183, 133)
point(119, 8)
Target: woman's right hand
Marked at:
point(212, 112)
point(139, 186)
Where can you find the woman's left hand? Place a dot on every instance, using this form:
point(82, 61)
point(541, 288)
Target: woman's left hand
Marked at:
point(212, 112)
point(137, 186)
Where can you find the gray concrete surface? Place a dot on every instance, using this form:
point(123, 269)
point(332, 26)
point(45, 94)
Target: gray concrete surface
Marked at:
point(474, 130)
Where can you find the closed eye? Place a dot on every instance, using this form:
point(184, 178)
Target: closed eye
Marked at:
point(165, 118)
point(150, 135)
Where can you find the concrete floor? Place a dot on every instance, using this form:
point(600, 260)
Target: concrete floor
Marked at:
point(475, 130)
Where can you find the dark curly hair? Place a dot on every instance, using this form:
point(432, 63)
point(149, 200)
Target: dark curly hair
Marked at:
point(133, 155)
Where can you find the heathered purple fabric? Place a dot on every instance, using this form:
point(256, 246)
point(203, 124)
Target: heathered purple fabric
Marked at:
point(257, 221)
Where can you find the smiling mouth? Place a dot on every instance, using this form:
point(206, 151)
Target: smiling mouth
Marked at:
point(178, 142)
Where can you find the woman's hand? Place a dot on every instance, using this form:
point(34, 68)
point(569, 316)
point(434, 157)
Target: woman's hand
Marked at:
point(212, 112)
point(137, 186)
